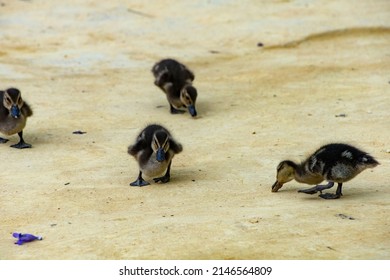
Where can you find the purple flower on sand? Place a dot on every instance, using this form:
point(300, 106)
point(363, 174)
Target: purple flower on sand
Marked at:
point(25, 237)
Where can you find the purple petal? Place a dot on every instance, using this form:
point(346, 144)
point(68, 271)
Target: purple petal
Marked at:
point(22, 238)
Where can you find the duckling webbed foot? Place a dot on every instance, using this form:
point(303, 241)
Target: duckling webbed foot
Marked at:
point(329, 195)
point(3, 140)
point(318, 188)
point(176, 111)
point(164, 179)
point(336, 195)
point(21, 144)
point(140, 182)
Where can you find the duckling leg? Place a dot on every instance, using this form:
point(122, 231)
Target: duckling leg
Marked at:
point(176, 111)
point(318, 188)
point(21, 144)
point(140, 182)
point(3, 140)
point(336, 195)
point(164, 179)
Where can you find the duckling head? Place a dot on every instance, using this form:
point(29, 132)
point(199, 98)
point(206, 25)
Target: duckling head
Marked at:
point(188, 97)
point(160, 145)
point(13, 101)
point(285, 173)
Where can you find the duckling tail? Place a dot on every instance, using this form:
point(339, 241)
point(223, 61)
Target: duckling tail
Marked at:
point(368, 161)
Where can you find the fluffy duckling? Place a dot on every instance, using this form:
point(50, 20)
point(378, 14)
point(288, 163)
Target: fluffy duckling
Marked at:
point(13, 116)
point(335, 163)
point(154, 149)
point(175, 80)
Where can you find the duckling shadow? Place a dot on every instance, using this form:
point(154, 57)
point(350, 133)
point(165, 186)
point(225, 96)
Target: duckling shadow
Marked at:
point(37, 139)
point(346, 196)
point(183, 180)
point(187, 177)
point(202, 109)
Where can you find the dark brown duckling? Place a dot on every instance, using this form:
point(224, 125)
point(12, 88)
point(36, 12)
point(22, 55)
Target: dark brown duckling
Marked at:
point(154, 149)
point(335, 163)
point(175, 80)
point(13, 116)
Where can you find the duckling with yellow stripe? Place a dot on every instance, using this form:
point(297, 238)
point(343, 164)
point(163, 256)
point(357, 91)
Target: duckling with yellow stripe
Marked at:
point(335, 163)
point(154, 150)
point(175, 80)
point(13, 116)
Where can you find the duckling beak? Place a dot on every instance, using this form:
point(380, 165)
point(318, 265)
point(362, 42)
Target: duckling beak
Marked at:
point(276, 186)
point(192, 110)
point(160, 155)
point(15, 112)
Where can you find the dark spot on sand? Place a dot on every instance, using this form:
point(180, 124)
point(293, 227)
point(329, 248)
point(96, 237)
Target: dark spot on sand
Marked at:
point(343, 216)
point(79, 132)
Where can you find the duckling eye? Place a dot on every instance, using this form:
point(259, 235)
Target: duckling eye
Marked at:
point(166, 146)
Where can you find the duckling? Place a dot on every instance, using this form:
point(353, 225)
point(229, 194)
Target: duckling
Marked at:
point(13, 116)
point(154, 149)
point(175, 80)
point(335, 163)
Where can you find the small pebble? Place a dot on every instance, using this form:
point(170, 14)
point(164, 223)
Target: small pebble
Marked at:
point(254, 220)
point(259, 44)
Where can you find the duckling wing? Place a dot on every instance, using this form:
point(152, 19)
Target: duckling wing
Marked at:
point(137, 147)
point(26, 110)
point(162, 76)
point(175, 147)
point(3, 111)
point(189, 74)
point(340, 162)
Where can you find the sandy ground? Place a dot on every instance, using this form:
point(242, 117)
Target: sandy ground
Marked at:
point(85, 65)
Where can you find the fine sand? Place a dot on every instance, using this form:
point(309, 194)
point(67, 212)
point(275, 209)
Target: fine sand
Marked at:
point(322, 75)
